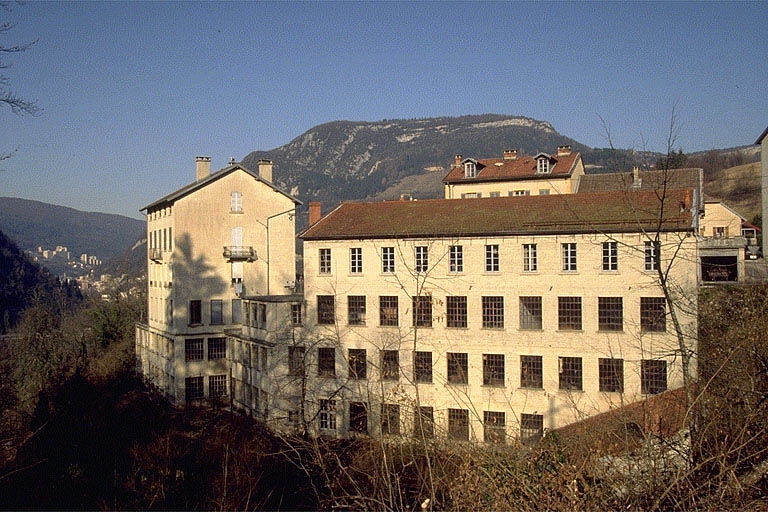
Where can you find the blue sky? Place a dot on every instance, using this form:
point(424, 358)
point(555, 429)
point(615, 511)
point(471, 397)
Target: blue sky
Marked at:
point(132, 92)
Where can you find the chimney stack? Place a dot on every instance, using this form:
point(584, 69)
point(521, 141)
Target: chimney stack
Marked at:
point(563, 150)
point(315, 212)
point(510, 154)
point(636, 183)
point(265, 170)
point(202, 167)
point(458, 160)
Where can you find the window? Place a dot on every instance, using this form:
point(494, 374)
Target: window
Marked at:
point(494, 427)
point(217, 386)
point(327, 416)
point(193, 388)
point(235, 202)
point(424, 422)
point(470, 169)
point(471, 195)
point(388, 311)
point(542, 165)
point(653, 376)
point(530, 313)
point(390, 419)
point(325, 261)
point(531, 372)
point(358, 367)
point(422, 258)
point(422, 367)
point(326, 362)
point(237, 311)
point(495, 194)
point(456, 258)
point(356, 260)
point(652, 255)
point(610, 256)
point(387, 260)
point(611, 375)
point(193, 349)
point(296, 315)
point(422, 311)
point(570, 373)
point(531, 428)
point(458, 424)
point(296, 361)
point(390, 365)
point(358, 417)
point(720, 231)
point(456, 311)
point(326, 314)
point(530, 260)
point(493, 369)
point(492, 258)
point(653, 314)
point(493, 312)
point(217, 348)
point(458, 367)
point(356, 309)
point(520, 193)
point(217, 315)
point(543, 191)
point(569, 257)
point(195, 312)
point(263, 358)
point(262, 316)
point(610, 314)
point(569, 313)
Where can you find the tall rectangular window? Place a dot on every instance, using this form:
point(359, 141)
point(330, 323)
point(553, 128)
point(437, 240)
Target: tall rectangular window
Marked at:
point(569, 313)
point(358, 365)
point(217, 386)
point(458, 424)
point(193, 388)
point(388, 260)
point(237, 311)
point(530, 259)
point(358, 417)
point(569, 257)
point(531, 372)
point(652, 255)
point(653, 314)
point(296, 315)
point(326, 362)
point(422, 258)
point(195, 312)
point(217, 312)
point(326, 310)
point(458, 367)
point(235, 202)
point(610, 256)
point(611, 375)
point(356, 309)
point(327, 417)
point(296, 361)
point(530, 313)
point(493, 312)
point(610, 313)
point(388, 310)
point(494, 427)
point(422, 367)
point(570, 373)
point(493, 369)
point(262, 322)
point(492, 258)
point(193, 349)
point(456, 311)
point(424, 422)
point(531, 428)
point(390, 419)
point(325, 261)
point(456, 259)
point(422, 311)
point(217, 348)
point(390, 365)
point(356, 260)
point(653, 376)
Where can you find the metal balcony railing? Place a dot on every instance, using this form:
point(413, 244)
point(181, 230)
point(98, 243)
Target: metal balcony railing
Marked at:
point(239, 253)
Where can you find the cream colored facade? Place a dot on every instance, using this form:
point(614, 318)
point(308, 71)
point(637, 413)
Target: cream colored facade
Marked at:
point(719, 221)
point(227, 236)
point(528, 187)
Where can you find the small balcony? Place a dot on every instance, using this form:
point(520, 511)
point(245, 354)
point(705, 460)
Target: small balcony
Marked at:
point(156, 254)
point(240, 253)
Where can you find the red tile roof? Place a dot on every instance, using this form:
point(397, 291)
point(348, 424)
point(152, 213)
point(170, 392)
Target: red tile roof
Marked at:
point(608, 212)
point(648, 180)
point(521, 168)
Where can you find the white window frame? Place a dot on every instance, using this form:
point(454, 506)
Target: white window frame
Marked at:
point(610, 256)
point(356, 260)
point(388, 260)
point(530, 258)
point(421, 259)
point(324, 260)
point(570, 262)
point(236, 202)
point(456, 259)
point(492, 258)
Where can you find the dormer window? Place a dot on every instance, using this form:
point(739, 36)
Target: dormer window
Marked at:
point(470, 169)
point(542, 165)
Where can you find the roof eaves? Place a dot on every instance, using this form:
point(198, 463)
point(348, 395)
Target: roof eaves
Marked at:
point(762, 136)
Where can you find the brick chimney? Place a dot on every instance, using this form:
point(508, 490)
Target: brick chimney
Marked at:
point(202, 167)
point(457, 161)
point(315, 212)
point(510, 154)
point(265, 169)
point(563, 150)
